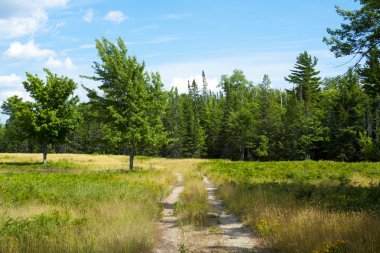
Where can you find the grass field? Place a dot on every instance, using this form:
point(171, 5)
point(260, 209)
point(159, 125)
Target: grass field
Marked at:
point(92, 203)
point(304, 206)
point(79, 203)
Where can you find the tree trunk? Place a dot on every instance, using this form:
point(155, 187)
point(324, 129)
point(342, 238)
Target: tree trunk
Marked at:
point(45, 151)
point(131, 157)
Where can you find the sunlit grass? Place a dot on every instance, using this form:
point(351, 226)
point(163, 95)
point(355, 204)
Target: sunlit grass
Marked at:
point(102, 207)
point(192, 207)
point(305, 206)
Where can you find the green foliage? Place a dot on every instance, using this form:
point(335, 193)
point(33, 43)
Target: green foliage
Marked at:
point(304, 76)
point(345, 117)
point(305, 170)
point(52, 115)
point(262, 149)
point(192, 133)
point(370, 73)
point(192, 206)
point(72, 211)
point(304, 206)
point(131, 100)
point(42, 226)
point(360, 34)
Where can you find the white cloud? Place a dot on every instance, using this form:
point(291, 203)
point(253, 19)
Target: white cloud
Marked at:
point(54, 3)
point(115, 16)
point(88, 16)
point(10, 81)
point(20, 26)
point(11, 85)
point(59, 64)
point(20, 17)
point(27, 51)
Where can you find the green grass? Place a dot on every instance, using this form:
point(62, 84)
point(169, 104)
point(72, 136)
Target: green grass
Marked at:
point(192, 207)
point(304, 206)
point(74, 210)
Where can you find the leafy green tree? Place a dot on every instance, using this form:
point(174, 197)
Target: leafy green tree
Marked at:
point(241, 132)
point(51, 116)
point(305, 77)
point(156, 138)
point(262, 149)
point(360, 34)
point(234, 104)
point(127, 99)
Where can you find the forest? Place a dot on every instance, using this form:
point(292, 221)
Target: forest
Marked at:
point(320, 118)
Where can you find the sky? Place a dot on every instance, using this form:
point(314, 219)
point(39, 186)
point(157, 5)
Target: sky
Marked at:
point(177, 38)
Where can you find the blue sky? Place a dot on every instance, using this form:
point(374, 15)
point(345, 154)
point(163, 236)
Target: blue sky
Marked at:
point(178, 38)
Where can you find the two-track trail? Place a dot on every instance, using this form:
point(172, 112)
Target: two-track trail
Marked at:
point(234, 236)
point(224, 233)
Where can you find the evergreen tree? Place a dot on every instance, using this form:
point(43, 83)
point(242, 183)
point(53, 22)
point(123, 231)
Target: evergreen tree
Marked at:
point(346, 118)
point(370, 75)
point(306, 79)
point(270, 113)
point(193, 135)
point(360, 34)
point(172, 123)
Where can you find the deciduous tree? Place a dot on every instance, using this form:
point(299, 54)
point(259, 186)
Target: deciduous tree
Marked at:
point(51, 116)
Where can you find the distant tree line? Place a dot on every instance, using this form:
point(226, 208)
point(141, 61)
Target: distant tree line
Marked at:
point(330, 119)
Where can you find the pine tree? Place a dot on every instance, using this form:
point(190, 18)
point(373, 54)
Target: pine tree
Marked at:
point(172, 123)
point(360, 34)
point(370, 75)
point(192, 134)
point(270, 113)
point(304, 76)
point(346, 118)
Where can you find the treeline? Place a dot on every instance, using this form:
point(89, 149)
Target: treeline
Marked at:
point(129, 113)
point(331, 119)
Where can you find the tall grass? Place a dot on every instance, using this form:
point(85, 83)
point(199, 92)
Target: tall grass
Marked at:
point(192, 207)
point(91, 210)
point(321, 207)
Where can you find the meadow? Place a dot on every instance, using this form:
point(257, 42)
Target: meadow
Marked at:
point(304, 206)
point(79, 203)
point(93, 203)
